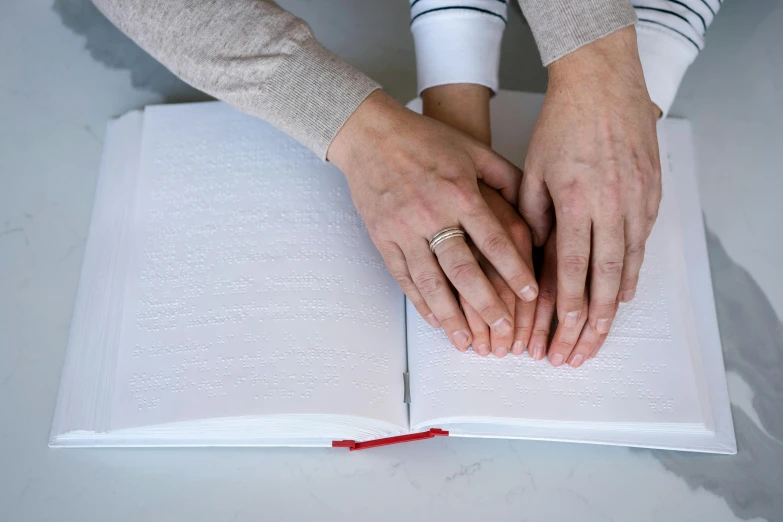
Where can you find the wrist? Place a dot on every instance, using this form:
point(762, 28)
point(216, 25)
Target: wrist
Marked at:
point(370, 122)
point(462, 106)
point(615, 55)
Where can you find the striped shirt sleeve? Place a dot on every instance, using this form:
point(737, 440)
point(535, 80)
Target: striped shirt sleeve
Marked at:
point(457, 41)
point(670, 35)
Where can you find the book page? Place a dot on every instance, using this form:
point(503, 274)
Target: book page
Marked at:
point(253, 287)
point(643, 373)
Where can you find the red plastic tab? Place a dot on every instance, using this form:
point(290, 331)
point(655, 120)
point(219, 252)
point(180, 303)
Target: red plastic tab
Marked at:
point(353, 445)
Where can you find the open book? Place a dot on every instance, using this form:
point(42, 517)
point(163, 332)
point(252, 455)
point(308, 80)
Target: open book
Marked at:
point(230, 295)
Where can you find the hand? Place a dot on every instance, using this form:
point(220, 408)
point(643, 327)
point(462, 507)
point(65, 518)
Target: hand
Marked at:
point(524, 312)
point(593, 159)
point(411, 177)
point(570, 344)
point(466, 107)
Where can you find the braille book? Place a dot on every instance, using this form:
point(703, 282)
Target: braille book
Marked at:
point(230, 296)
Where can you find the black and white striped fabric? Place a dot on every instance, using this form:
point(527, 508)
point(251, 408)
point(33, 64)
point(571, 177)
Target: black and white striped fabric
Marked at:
point(458, 41)
point(493, 8)
point(687, 19)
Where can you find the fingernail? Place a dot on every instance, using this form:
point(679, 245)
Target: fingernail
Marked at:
point(602, 326)
point(502, 326)
point(627, 295)
point(433, 321)
point(460, 339)
point(570, 319)
point(483, 349)
point(557, 359)
point(528, 293)
point(501, 351)
point(576, 361)
point(538, 352)
point(517, 348)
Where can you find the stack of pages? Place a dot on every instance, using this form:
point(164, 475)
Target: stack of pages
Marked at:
point(230, 295)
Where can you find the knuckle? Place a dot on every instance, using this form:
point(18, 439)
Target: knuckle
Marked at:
point(547, 297)
point(430, 284)
point(574, 265)
point(540, 332)
point(573, 207)
point(652, 213)
point(404, 280)
point(609, 268)
point(490, 310)
point(463, 272)
point(466, 196)
point(496, 245)
point(635, 247)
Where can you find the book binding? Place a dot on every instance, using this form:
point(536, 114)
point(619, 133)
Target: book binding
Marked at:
point(352, 445)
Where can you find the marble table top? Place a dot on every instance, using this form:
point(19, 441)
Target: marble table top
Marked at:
point(66, 71)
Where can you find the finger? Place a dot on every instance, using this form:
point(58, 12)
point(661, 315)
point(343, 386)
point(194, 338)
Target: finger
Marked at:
point(635, 238)
point(398, 268)
point(488, 235)
point(545, 304)
point(497, 172)
point(524, 311)
point(535, 205)
point(479, 329)
point(501, 344)
point(573, 253)
point(605, 270)
point(524, 319)
point(601, 339)
point(465, 274)
point(434, 288)
point(565, 338)
point(598, 346)
point(587, 343)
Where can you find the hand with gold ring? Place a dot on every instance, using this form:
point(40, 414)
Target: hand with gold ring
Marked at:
point(411, 177)
point(466, 107)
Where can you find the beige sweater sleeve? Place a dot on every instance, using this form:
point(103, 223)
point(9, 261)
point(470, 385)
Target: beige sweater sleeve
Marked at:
point(562, 26)
point(253, 55)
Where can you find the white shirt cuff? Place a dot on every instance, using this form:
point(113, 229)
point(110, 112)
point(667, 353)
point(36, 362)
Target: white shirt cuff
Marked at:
point(664, 60)
point(457, 47)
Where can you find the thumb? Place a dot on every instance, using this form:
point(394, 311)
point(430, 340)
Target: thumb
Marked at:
point(497, 172)
point(535, 205)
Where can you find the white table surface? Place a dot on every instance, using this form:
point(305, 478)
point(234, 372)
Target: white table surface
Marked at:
point(64, 71)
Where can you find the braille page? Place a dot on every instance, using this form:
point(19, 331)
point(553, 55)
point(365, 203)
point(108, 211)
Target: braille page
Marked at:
point(643, 373)
point(253, 287)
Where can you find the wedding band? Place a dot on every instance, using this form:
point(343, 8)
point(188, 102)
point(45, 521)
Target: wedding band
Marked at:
point(445, 234)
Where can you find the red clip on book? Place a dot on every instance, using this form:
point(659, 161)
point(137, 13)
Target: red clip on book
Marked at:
point(353, 445)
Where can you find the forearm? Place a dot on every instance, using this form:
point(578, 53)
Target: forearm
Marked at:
point(251, 54)
point(462, 106)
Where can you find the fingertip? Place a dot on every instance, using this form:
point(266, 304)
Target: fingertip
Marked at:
point(500, 351)
point(461, 340)
point(529, 293)
point(576, 360)
point(538, 351)
point(603, 325)
point(482, 349)
point(627, 295)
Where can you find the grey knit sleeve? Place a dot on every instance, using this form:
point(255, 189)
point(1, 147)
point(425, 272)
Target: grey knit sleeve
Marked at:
point(251, 54)
point(562, 26)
